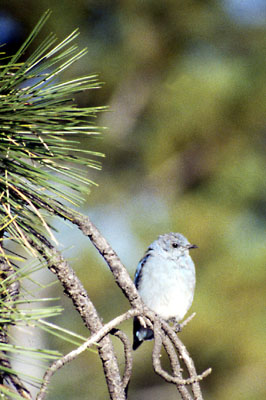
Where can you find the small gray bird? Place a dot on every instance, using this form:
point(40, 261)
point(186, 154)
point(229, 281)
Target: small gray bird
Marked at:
point(165, 279)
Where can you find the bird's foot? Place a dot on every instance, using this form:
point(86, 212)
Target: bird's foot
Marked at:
point(142, 321)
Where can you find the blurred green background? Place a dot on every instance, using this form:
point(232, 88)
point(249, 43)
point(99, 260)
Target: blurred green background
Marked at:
point(185, 151)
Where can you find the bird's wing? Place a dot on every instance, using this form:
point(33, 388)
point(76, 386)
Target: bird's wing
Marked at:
point(139, 269)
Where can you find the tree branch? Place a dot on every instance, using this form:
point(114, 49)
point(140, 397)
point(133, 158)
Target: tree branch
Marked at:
point(127, 286)
point(159, 339)
point(75, 290)
point(92, 340)
point(119, 271)
point(128, 355)
point(183, 354)
point(176, 368)
point(125, 283)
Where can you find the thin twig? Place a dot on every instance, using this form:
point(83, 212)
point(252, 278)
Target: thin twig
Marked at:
point(194, 377)
point(175, 365)
point(128, 356)
point(156, 357)
point(187, 320)
point(92, 340)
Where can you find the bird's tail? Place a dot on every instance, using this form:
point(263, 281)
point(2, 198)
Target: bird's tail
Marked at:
point(140, 333)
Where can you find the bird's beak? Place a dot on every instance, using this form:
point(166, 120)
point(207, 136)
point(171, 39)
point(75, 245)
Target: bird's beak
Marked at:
point(191, 246)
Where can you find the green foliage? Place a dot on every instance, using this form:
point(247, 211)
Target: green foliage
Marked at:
point(29, 313)
point(40, 132)
point(42, 165)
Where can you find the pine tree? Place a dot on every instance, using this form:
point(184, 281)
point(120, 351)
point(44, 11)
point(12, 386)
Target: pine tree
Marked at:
point(43, 172)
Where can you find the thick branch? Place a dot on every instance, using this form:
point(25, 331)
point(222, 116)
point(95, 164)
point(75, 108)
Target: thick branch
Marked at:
point(75, 290)
point(120, 273)
point(95, 338)
point(121, 276)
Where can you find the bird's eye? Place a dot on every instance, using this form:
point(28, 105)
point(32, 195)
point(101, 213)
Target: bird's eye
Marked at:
point(175, 245)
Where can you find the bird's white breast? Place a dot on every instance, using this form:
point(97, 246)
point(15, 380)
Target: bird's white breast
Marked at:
point(167, 286)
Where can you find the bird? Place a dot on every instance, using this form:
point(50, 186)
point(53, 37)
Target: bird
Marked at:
point(165, 279)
